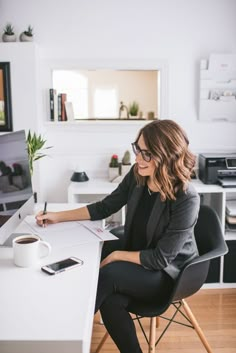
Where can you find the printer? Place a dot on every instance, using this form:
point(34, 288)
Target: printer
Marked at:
point(217, 168)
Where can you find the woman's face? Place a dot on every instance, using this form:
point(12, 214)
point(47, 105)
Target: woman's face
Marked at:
point(144, 168)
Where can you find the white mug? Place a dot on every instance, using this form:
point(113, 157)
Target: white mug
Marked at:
point(28, 249)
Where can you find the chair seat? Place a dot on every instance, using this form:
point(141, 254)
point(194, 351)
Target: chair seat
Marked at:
point(147, 309)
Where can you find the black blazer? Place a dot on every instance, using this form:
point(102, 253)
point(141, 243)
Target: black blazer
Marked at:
point(170, 228)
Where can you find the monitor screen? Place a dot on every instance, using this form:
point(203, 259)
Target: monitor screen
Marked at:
point(16, 195)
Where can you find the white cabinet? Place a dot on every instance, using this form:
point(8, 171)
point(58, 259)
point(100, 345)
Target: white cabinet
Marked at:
point(218, 88)
point(212, 195)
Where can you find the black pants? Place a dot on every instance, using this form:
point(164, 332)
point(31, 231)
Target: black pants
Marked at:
point(120, 282)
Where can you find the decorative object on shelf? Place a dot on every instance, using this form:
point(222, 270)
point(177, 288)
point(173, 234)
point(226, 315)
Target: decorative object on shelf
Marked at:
point(27, 36)
point(123, 107)
point(126, 163)
point(151, 116)
point(8, 33)
point(114, 169)
point(133, 109)
point(79, 175)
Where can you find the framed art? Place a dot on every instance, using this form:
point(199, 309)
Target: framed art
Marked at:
point(5, 97)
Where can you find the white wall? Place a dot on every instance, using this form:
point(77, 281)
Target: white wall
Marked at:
point(178, 32)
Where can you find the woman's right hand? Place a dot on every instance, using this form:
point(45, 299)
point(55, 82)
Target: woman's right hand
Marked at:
point(48, 218)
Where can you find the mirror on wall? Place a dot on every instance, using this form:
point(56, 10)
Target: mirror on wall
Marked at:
point(108, 94)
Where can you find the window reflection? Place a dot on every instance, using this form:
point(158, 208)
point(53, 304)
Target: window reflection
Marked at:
point(105, 102)
point(96, 94)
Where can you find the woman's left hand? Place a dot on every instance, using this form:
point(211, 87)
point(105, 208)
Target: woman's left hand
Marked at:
point(120, 255)
point(110, 258)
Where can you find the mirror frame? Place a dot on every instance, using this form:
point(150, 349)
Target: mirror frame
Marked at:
point(160, 65)
point(6, 88)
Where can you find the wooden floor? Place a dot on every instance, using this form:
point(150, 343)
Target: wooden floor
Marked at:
point(215, 311)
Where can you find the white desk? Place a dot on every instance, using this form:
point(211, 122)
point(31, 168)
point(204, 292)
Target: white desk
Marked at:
point(45, 314)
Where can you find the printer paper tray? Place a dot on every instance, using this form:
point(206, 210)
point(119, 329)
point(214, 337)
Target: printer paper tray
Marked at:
point(227, 182)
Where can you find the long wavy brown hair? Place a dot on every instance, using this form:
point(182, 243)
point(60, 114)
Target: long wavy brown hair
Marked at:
point(168, 144)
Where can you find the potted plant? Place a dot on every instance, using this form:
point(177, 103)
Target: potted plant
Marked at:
point(8, 33)
point(27, 36)
point(35, 145)
point(133, 109)
point(113, 167)
point(126, 163)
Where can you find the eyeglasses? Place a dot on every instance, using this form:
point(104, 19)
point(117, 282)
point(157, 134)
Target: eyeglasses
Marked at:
point(147, 156)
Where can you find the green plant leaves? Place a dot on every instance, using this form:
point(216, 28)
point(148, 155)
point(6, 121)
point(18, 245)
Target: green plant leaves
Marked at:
point(35, 143)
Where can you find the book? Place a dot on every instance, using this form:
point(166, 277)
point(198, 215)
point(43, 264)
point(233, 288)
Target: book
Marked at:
point(52, 92)
point(55, 99)
point(59, 107)
point(69, 111)
point(63, 111)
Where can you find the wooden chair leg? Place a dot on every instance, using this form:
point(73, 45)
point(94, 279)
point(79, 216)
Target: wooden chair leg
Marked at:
point(196, 326)
point(152, 335)
point(157, 321)
point(102, 342)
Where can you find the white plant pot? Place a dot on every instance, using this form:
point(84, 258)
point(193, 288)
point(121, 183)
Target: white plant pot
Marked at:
point(8, 38)
point(125, 168)
point(24, 38)
point(113, 173)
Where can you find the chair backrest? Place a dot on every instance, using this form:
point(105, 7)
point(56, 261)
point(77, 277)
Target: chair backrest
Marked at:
point(208, 233)
point(211, 244)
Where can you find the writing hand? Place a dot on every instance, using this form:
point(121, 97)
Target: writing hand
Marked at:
point(45, 219)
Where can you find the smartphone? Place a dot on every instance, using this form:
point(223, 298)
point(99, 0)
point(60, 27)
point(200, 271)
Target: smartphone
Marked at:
point(63, 265)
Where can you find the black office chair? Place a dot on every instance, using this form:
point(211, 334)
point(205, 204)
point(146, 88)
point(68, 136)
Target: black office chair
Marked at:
point(211, 244)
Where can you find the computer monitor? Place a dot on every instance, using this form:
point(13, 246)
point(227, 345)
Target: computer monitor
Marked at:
point(16, 194)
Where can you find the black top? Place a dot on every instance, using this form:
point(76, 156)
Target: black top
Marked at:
point(137, 237)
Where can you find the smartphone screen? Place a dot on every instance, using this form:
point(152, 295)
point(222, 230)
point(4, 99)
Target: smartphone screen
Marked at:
point(62, 265)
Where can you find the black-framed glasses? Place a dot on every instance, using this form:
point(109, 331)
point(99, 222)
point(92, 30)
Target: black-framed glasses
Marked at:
point(146, 155)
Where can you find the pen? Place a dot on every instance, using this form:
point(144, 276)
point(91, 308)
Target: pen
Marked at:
point(45, 210)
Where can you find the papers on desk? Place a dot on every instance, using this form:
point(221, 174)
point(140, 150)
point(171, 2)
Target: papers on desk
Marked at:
point(101, 233)
point(64, 233)
point(60, 234)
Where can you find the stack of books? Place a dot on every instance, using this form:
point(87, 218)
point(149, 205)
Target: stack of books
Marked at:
point(59, 106)
point(231, 215)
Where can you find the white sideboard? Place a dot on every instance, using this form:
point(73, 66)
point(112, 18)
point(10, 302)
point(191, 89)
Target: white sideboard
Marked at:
point(211, 195)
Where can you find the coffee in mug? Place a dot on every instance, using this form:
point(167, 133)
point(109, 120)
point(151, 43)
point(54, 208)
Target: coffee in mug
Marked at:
point(29, 249)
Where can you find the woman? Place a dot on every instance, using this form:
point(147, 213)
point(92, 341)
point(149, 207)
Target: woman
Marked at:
point(162, 210)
